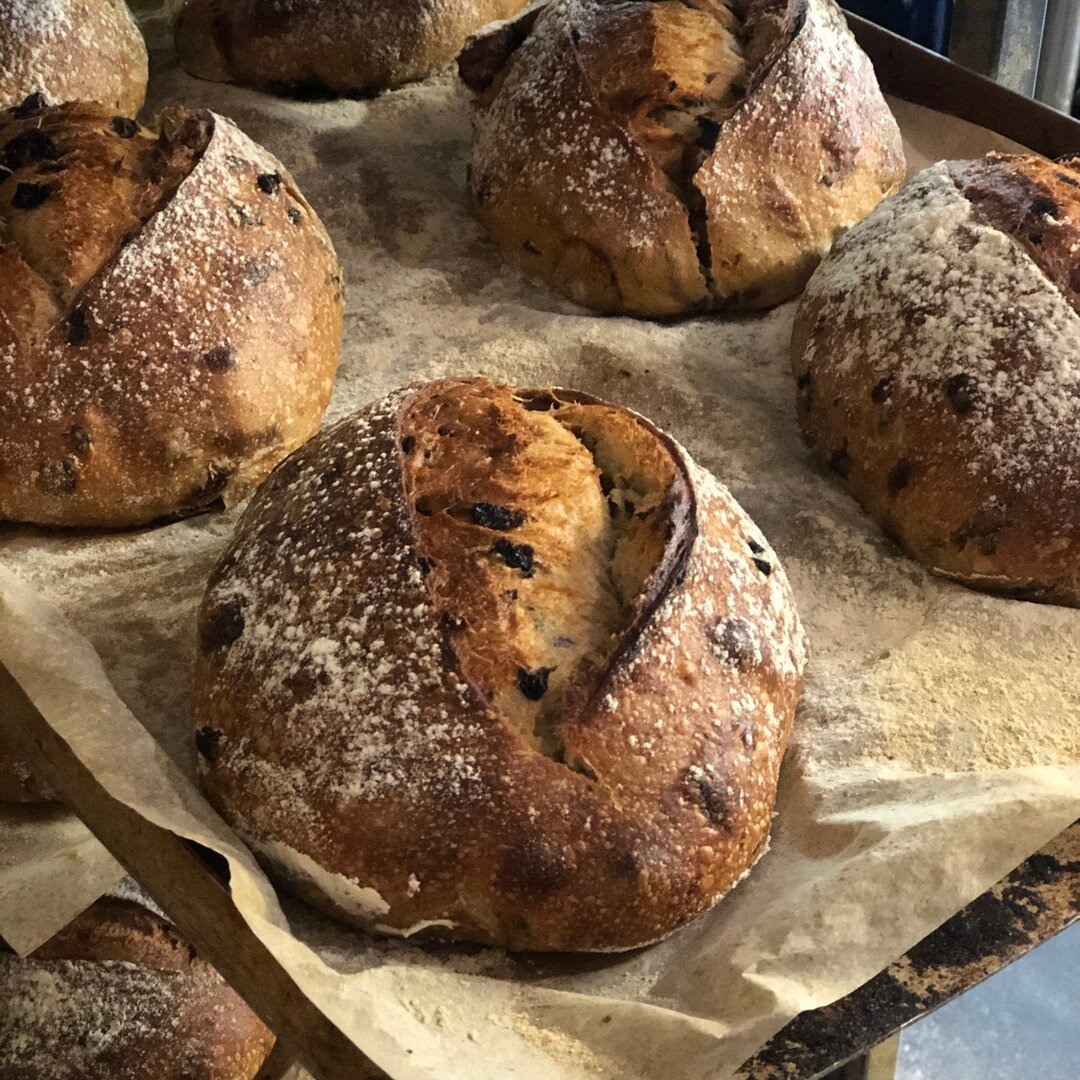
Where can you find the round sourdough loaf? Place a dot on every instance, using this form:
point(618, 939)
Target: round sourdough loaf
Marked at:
point(72, 50)
point(937, 353)
point(170, 319)
point(500, 666)
point(118, 994)
point(328, 46)
point(655, 157)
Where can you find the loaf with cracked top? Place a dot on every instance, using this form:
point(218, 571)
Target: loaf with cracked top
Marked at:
point(171, 317)
point(502, 666)
point(656, 157)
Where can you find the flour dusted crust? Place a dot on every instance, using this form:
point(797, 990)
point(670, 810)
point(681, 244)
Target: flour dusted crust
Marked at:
point(383, 709)
point(171, 317)
point(119, 994)
point(937, 353)
point(660, 156)
point(72, 50)
point(328, 46)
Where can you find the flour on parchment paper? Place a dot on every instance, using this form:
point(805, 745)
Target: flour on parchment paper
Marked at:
point(910, 678)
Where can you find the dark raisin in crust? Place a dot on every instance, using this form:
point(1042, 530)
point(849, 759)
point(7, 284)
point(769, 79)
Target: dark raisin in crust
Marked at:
point(269, 182)
point(499, 518)
point(30, 196)
point(533, 684)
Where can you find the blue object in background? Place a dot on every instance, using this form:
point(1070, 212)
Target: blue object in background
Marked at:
point(925, 22)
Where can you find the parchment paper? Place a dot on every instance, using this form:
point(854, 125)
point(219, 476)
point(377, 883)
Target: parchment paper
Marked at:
point(936, 747)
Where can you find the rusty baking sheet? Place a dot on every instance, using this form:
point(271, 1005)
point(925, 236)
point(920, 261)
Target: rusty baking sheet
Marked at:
point(1038, 900)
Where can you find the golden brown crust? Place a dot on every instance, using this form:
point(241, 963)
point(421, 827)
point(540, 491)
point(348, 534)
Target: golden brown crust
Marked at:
point(938, 367)
point(282, 46)
point(72, 50)
point(169, 259)
point(658, 157)
point(118, 993)
point(358, 722)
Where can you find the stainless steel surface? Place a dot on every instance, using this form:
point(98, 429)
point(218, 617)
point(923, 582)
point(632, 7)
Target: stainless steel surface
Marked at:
point(1001, 38)
point(1021, 1024)
point(1060, 60)
point(877, 1064)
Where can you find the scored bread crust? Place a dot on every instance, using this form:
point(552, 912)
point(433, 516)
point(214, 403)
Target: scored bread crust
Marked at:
point(329, 46)
point(937, 355)
point(171, 321)
point(72, 50)
point(118, 993)
point(571, 194)
point(345, 737)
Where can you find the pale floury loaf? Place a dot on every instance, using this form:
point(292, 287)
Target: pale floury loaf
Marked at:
point(72, 50)
point(937, 353)
point(119, 994)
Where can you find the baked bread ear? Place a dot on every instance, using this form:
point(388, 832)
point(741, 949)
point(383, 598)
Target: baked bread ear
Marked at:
point(71, 50)
point(499, 666)
point(659, 156)
point(937, 353)
point(171, 317)
point(377, 44)
point(119, 994)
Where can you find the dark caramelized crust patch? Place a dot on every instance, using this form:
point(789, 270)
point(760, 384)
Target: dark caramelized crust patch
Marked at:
point(1037, 203)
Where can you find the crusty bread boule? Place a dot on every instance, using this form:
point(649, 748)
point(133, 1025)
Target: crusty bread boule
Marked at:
point(119, 994)
point(328, 46)
point(655, 157)
point(937, 353)
point(500, 666)
point(72, 50)
point(170, 320)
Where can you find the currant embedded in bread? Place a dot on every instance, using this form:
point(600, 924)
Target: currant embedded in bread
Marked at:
point(662, 156)
point(498, 665)
point(171, 318)
point(938, 371)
